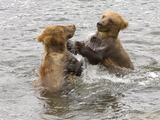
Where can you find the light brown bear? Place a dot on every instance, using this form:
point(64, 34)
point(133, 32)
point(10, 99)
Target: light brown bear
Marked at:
point(58, 65)
point(105, 47)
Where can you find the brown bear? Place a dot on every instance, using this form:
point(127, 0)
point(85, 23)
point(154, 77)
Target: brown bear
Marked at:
point(104, 46)
point(58, 65)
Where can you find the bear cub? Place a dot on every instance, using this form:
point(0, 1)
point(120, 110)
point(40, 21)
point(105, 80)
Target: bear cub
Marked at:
point(104, 47)
point(59, 65)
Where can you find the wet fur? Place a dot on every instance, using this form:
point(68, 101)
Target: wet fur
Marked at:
point(53, 72)
point(104, 47)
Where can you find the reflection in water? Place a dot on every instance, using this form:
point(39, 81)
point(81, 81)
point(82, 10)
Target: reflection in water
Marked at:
point(54, 102)
point(96, 99)
point(60, 105)
point(99, 103)
point(56, 106)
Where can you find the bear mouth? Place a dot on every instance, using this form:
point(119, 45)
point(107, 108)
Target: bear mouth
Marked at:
point(69, 36)
point(102, 28)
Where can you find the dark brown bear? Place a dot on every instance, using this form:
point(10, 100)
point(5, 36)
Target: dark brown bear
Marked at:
point(105, 47)
point(58, 65)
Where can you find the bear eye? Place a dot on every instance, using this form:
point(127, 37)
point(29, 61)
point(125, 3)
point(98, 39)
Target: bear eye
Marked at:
point(110, 20)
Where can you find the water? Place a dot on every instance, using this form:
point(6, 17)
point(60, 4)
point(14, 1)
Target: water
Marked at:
point(98, 95)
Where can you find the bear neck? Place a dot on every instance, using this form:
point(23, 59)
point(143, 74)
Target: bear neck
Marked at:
point(49, 49)
point(107, 34)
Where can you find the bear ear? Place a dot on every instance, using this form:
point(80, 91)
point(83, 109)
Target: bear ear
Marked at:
point(124, 24)
point(44, 39)
point(40, 38)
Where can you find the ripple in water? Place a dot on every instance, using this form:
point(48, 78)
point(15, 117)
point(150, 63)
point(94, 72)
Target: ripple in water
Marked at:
point(97, 94)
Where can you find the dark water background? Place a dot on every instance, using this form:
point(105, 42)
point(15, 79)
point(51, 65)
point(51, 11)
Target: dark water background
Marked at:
point(98, 95)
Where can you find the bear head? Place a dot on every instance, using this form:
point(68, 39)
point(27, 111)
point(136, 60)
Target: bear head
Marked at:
point(111, 22)
point(56, 36)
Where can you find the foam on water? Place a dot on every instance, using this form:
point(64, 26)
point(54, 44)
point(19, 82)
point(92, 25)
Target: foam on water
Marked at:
point(93, 74)
point(152, 75)
point(98, 95)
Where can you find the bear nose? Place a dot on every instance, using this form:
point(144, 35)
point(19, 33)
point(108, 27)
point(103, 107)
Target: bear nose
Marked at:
point(99, 24)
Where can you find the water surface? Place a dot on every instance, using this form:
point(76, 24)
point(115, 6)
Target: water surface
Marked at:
point(98, 95)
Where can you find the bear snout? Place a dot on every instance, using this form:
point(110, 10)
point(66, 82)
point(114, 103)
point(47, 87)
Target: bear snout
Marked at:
point(99, 24)
point(72, 27)
point(70, 30)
